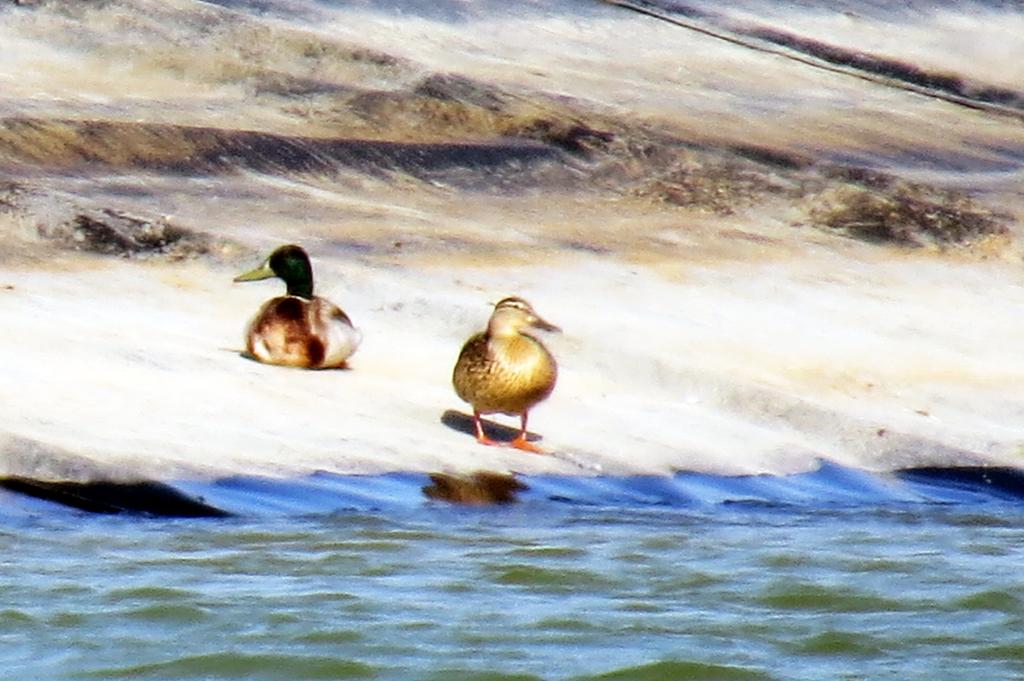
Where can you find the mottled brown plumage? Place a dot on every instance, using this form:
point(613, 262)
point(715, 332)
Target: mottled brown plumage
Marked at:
point(505, 370)
point(292, 331)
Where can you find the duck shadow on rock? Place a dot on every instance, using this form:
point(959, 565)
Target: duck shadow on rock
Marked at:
point(253, 358)
point(457, 420)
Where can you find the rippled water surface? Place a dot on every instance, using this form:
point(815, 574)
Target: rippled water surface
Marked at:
point(534, 590)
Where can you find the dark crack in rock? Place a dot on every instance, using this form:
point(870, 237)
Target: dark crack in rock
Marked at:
point(112, 232)
point(906, 214)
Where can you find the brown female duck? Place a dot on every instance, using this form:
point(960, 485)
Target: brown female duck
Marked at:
point(506, 370)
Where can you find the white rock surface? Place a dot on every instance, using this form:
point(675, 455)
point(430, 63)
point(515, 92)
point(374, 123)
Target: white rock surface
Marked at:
point(737, 344)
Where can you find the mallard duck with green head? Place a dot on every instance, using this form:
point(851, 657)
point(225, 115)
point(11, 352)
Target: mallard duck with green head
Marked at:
point(298, 329)
point(505, 369)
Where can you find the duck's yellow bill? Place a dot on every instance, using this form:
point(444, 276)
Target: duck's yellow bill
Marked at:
point(545, 325)
point(261, 272)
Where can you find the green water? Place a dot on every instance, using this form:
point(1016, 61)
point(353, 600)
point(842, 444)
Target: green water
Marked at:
point(924, 592)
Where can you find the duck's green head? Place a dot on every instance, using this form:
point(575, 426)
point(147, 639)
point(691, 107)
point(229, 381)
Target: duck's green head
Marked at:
point(289, 263)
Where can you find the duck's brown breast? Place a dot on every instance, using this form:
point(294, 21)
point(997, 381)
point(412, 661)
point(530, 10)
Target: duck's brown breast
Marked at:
point(280, 334)
point(507, 375)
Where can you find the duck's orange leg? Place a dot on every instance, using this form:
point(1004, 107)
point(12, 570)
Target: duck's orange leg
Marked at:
point(481, 437)
point(521, 442)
